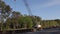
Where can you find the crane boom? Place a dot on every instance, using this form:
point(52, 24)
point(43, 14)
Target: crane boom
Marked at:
point(27, 7)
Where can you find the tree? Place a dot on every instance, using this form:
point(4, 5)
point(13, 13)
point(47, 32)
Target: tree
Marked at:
point(53, 23)
point(36, 20)
point(5, 9)
point(28, 21)
point(25, 22)
point(16, 14)
point(58, 21)
point(49, 23)
point(4, 12)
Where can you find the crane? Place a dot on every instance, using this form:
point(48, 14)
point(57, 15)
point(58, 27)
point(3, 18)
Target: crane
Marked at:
point(27, 7)
point(30, 13)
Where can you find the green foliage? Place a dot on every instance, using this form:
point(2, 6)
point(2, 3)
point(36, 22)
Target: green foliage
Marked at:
point(28, 21)
point(17, 20)
point(53, 23)
point(25, 22)
point(58, 21)
point(49, 23)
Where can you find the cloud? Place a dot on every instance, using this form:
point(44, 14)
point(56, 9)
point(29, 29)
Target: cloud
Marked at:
point(44, 4)
point(52, 3)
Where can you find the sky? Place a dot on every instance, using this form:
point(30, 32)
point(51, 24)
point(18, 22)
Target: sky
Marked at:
point(46, 9)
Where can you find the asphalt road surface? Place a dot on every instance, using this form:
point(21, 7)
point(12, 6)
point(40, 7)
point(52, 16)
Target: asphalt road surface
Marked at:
point(45, 31)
